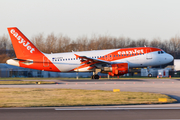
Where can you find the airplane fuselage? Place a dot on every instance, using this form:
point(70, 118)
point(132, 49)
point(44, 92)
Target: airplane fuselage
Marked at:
point(112, 61)
point(68, 62)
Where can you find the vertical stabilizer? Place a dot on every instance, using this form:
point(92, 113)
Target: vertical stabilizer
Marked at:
point(28, 56)
point(22, 46)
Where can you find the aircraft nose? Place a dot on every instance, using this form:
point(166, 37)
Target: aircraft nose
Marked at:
point(170, 58)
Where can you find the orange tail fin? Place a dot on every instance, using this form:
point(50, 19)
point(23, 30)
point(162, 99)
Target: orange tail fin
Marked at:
point(22, 46)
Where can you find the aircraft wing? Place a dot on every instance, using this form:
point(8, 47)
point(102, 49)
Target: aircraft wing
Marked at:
point(85, 59)
point(93, 62)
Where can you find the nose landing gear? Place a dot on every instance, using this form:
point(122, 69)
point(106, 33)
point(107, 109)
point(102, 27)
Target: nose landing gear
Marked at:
point(148, 69)
point(149, 75)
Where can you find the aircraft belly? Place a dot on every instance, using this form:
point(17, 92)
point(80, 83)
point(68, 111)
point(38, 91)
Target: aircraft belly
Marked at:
point(136, 61)
point(66, 67)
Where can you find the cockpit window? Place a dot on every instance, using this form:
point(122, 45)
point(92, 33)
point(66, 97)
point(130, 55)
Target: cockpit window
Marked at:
point(161, 52)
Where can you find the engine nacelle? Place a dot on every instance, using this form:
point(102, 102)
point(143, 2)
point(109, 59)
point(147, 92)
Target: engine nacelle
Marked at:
point(118, 69)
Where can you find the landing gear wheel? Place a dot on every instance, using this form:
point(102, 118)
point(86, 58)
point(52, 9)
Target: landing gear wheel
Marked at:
point(149, 75)
point(95, 77)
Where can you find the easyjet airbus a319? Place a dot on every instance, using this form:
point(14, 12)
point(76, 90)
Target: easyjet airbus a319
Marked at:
point(114, 62)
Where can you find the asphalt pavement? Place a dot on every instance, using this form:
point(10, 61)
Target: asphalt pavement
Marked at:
point(169, 87)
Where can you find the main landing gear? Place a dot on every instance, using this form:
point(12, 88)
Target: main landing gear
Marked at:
point(95, 74)
point(95, 77)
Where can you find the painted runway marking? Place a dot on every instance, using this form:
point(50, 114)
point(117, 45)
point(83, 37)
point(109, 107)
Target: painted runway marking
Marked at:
point(117, 108)
point(120, 83)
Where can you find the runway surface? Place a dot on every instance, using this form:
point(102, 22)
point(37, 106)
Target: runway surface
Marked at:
point(52, 114)
point(170, 87)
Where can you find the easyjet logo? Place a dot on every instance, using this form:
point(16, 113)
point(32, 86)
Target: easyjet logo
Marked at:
point(135, 51)
point(22, 41)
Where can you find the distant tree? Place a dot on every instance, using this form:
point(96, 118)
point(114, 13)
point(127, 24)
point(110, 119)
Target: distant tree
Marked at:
point(3, 44)
point(6, 49)
point(156, 42)
point(142, 43)
point(175, 46)
point(63, 43)
point(51, 43)
point(82, 43)
point(39, 41)
point(121, 42)
point(92, 44)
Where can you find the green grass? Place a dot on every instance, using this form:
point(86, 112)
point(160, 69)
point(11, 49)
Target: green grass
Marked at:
point(24, 82)
point(37, 97)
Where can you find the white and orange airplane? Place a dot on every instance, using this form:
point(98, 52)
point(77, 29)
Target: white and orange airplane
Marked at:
point(115, 62)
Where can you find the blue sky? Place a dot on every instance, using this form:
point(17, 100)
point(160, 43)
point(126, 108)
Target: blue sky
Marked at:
point(135, 19)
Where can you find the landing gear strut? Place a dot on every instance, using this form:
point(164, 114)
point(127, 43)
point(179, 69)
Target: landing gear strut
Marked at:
point(149, 74)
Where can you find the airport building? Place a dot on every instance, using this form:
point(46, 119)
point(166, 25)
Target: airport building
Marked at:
point(14, 71)
point(172, 69)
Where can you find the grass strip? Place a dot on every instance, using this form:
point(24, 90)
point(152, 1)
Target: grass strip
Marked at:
point(37, 97)
point(24, 82)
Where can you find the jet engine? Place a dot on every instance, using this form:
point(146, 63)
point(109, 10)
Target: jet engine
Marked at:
point(117, 69)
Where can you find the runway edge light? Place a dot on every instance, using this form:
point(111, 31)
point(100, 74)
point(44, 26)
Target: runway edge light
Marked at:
point(116, 90)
